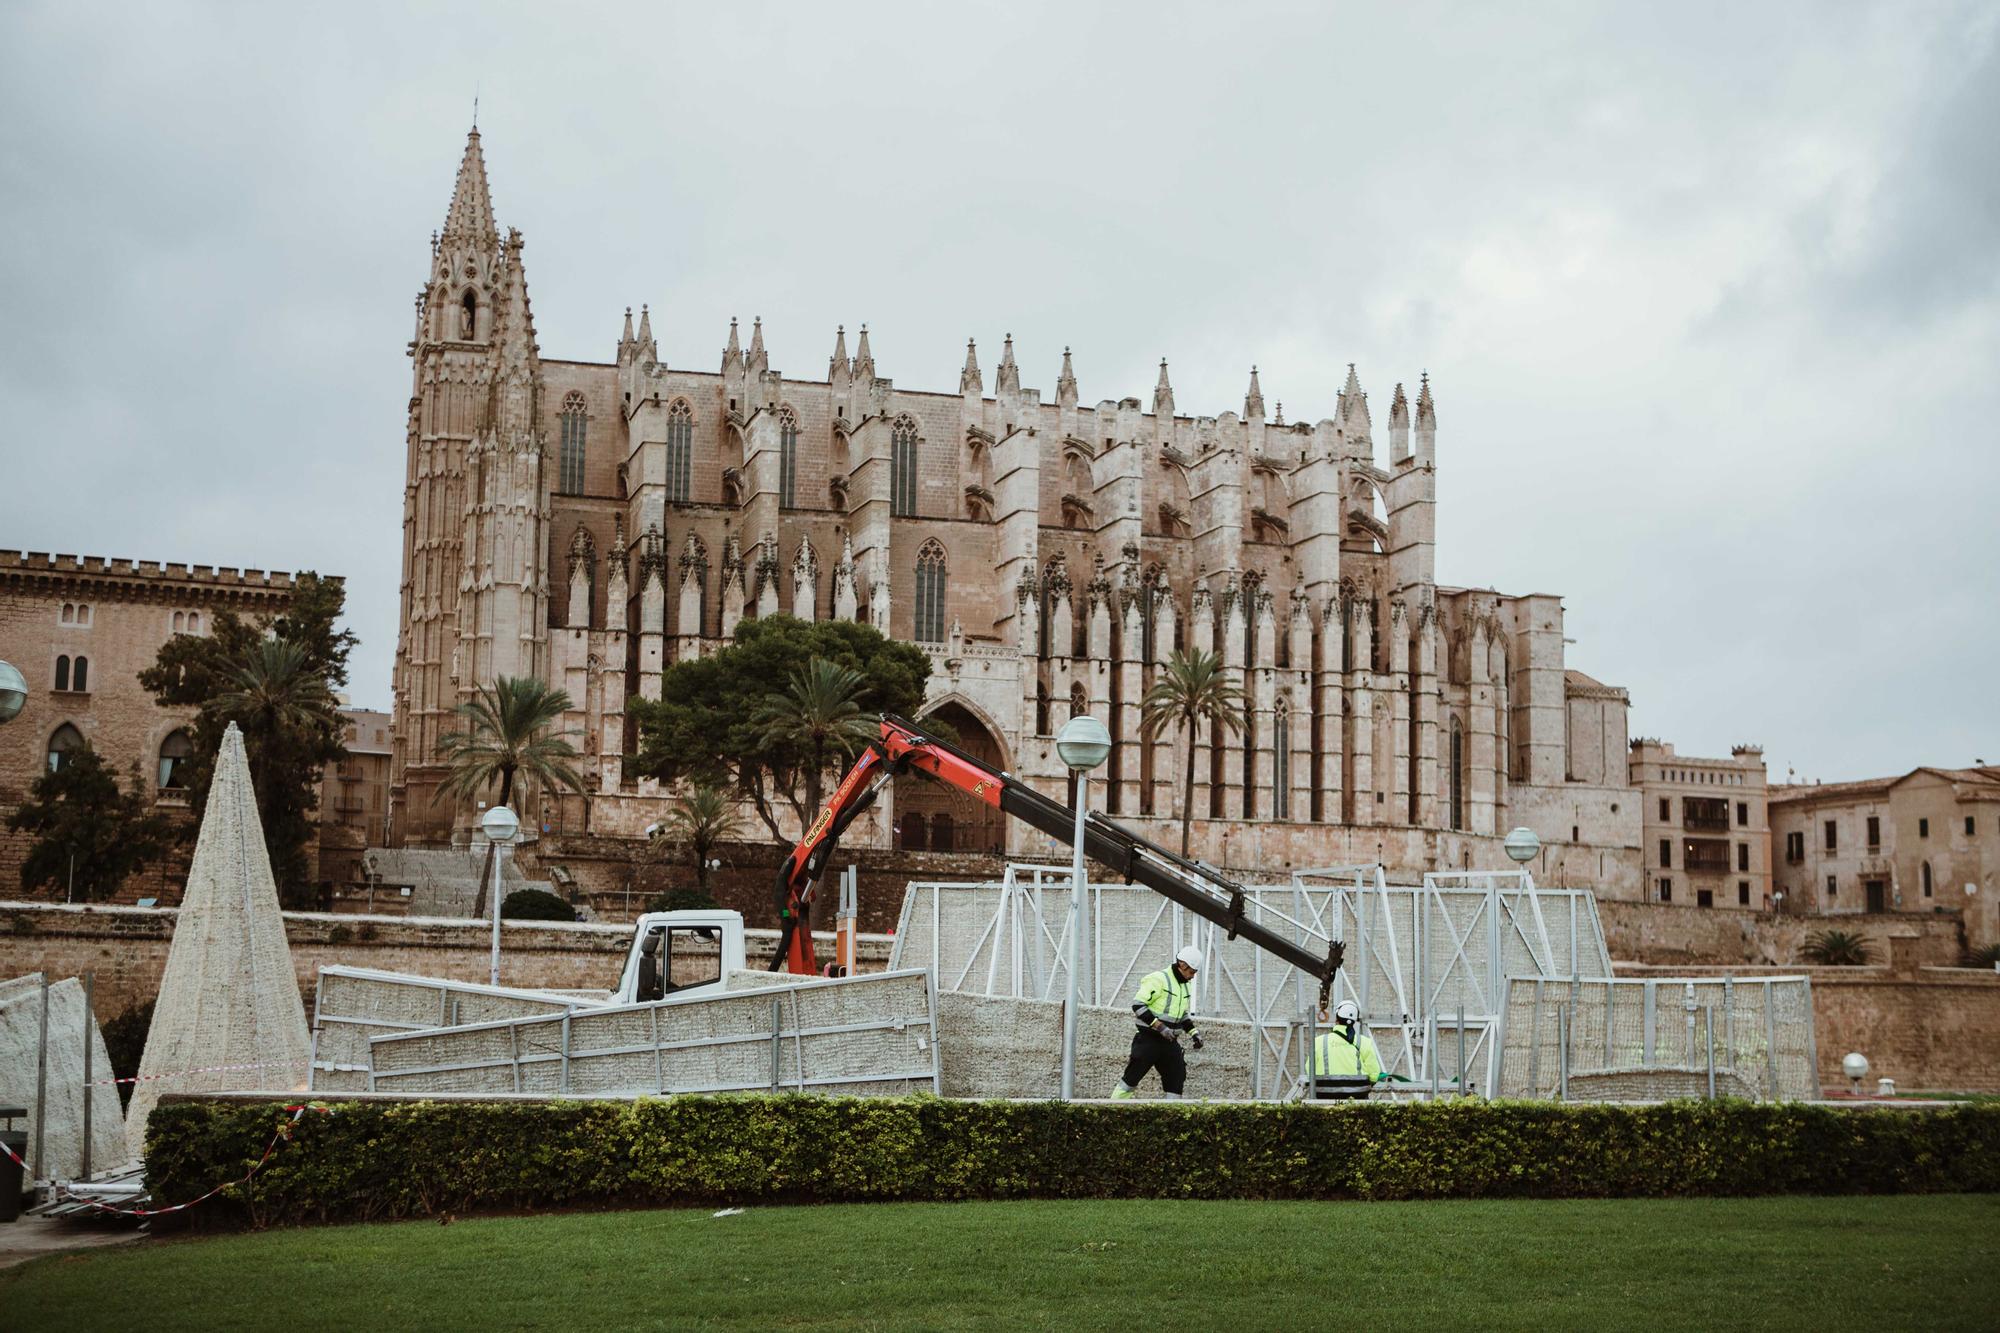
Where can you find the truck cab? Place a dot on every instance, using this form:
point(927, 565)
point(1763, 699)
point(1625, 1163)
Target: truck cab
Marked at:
point(681, 953)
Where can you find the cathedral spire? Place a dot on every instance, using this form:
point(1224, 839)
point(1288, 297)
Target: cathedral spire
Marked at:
point(517, 369)
point(470, 217)
point(864, 360)
point(1353, 407)
point(1426, 410)
point(838, 363)
point(1066, 383)
point(1253, 401)
point(969, 380)
point(646, 347)
point(1399, 426)
point(625, 338)
point(759, 360)
point(1163, 393)
point(732, 351)
point(1008, 378)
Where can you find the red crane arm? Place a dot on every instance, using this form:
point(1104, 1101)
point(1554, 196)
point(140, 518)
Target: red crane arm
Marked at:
point(905, 745)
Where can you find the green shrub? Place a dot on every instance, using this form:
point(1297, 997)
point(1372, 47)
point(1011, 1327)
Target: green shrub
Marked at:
point(1837, 948)
point(682, 900)
point(125, 1044)
point(375, 1160)
point(535, 905)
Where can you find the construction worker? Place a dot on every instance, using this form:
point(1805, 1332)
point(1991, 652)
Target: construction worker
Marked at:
point(1345, 1050)
point(1160, 1006)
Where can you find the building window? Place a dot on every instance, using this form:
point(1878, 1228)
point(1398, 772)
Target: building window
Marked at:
point(788, 458)
point(680, 453)
point(1832, 886)
point(930, 593)
point(1281, 764)
point(1923, 828)
point(1927, 878)
point(1743, 814)
point(1742, 893)
point(1666, 852)
point(1874, 830)
point(1968, 826)
point(1742, 856)
point(1704, 898)
point(1666, 890)
point(903, 468)
point(1832, 835)
point(176, 751)
point(1795, 847)
point(574, 420)
point(75, 613)
point(1666, 810)
point(67, 741)
point(79, 675)
point(62, 672)
point(1458, 776)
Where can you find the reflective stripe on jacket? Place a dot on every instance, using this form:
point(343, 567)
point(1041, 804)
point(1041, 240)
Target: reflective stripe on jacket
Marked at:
point(1165, 994)
point(1335, 1056)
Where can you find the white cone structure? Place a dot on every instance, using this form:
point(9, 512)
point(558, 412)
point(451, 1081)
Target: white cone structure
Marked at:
point(229, 997)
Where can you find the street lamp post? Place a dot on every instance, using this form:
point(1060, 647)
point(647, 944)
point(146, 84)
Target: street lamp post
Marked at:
point(500, 825)
point(1083, 744)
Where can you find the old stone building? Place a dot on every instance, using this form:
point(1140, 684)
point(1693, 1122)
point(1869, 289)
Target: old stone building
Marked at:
point(1707, 837)
point(353, 810)
point(593, 521)
point(81, 629)
point(1926, 841)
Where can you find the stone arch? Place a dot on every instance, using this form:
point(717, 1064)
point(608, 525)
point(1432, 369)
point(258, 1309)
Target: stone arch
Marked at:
point(975, 826)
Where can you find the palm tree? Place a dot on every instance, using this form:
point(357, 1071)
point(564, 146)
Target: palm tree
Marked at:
point(818, 717)
point(508, 732)
point(701, 819)
point(1191, 689)
point(1837, 948)
point(276, 695)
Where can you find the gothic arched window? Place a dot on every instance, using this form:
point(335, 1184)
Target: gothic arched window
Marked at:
point(67, 741)
point(930, 593)
point(1457, 775)
point(1281, 761)
point(903, 468)
point(79, 675)
point(62, 672)
point(680, 452)
point(788, 458)
point(176, 751)
point(573, 426)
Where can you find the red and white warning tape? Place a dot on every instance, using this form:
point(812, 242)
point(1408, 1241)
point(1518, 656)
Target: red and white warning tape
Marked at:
point(283, 1133)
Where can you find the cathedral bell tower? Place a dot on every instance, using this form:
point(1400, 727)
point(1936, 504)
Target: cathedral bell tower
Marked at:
point(475, 504)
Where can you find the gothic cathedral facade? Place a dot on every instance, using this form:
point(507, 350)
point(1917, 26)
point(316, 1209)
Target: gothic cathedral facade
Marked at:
point(594, 522)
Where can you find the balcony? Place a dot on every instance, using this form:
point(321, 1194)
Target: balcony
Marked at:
point(1705, 824)
point(1705, 855)
point(1705, 814)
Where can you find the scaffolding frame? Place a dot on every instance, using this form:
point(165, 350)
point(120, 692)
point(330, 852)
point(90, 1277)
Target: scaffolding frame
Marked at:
point(1426, 963)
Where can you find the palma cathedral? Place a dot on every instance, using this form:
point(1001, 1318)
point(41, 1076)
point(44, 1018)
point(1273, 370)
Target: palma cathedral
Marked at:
point(593, 522)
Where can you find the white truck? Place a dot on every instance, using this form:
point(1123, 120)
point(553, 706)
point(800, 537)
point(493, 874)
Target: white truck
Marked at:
point(677, 954)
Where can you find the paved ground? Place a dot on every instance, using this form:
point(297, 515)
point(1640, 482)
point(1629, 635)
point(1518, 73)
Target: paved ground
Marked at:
point(32, 1237)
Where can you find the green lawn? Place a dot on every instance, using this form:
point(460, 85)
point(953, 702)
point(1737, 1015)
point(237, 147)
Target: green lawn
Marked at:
point(1902, 1262)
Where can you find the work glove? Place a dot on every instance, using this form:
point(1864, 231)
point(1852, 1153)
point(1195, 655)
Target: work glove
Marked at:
point(1194, 1039)
point(1171, 1034)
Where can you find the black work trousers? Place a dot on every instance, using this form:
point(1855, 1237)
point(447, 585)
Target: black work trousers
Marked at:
point(1152, 1051)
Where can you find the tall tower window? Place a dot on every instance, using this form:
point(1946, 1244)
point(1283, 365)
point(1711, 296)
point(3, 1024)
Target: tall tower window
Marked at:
point(788, 458)
point(903, 468)
point(1281, 761)
point(62, 672)
point(680, 452)
point(930, 593)
point(574, 420)
point(1457, 775)
point(176, 752)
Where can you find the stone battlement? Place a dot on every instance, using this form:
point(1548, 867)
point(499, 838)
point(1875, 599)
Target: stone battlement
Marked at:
point(30, 564)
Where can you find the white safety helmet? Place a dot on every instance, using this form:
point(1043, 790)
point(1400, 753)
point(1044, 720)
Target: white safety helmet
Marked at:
point(1347, 1012)
point(1191, 956)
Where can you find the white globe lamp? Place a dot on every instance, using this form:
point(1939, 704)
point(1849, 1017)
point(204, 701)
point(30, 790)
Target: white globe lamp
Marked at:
point(1083, 743)
point(13, 692)
point(500, 824)
point(1522, 845)
point(1855, 1065)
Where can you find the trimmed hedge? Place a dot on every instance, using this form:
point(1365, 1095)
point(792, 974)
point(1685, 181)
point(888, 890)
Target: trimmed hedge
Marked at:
point(375, 1160)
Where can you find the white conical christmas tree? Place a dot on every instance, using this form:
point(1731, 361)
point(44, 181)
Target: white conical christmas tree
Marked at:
point(229, 996)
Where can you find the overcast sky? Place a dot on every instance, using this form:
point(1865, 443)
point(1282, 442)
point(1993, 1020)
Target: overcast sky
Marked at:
point(1709, 294)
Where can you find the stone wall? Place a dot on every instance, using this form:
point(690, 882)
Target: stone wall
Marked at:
point(127, 948)
point(1925, 1027)
point(1669, 934)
